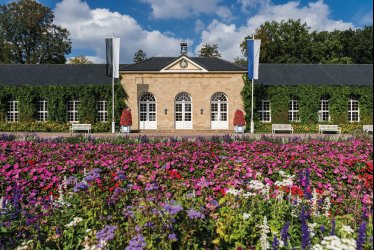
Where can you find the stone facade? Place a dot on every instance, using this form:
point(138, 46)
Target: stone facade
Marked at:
point(200, 86)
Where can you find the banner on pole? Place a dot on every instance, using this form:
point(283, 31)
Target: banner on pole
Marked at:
point(253, 47)
point(112, 56)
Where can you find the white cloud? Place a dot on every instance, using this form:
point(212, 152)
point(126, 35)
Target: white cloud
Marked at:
point(179, 9)
point(199, 26)
point(89, 27)
point(228, 37)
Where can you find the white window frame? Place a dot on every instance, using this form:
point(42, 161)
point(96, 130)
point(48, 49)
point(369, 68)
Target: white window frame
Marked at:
point(184, 101)
point(351, 111)
point(293, 110)
point(263, 110)
point(43, 110)
point(12, 111)
point(73, 112)
point(219, 107)
point(102, 111)
point(323, 109)
point(147, 111)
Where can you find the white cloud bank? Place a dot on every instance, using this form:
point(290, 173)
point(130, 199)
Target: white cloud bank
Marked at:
point(179, 9)
point(89, 27)
point(228, 37)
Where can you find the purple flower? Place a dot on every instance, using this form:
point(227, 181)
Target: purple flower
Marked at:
point(305, 240)
point(172, 210)
point(275, 243)
point(332, 227)
point(361, 235)
point(284, 233)
point(136, 243)
point(322, 228)
point(193, 214)
point(81, 186)
point(72, 180)
point(107, 233)
point(172, 237)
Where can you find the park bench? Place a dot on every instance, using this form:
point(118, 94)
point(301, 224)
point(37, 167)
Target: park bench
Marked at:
point(329, 128)
point(80, 127)
point(367, 128)
point(281, 127)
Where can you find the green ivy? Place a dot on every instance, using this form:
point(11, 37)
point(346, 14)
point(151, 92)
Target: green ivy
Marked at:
point(309, 97)
point(58, 96)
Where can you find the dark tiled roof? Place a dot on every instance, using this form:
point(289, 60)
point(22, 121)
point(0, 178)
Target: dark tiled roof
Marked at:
point(315, 74)
point(209, 63)
point(270, 74)
point(53, 74)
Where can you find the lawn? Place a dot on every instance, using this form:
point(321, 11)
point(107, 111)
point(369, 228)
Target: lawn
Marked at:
point(190, 194)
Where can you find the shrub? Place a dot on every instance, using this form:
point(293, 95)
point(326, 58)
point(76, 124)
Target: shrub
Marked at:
point(126, 118)
point(239, 118)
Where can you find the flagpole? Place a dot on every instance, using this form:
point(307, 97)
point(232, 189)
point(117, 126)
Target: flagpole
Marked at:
point(252, 123)
point(113, 122)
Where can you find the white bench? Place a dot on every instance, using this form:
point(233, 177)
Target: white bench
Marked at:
point(281, 127)
point(80, 127)
point(328, 128)
point(367, 128)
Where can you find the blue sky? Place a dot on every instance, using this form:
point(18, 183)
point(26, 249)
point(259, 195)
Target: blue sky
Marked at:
point(158, 26)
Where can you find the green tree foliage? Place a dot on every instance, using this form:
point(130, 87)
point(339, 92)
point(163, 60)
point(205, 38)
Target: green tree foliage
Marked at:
point(30, 34)
point(79, 60)
point(209, 50)
point(240, 61)
point(139, 56)
point(292, 42)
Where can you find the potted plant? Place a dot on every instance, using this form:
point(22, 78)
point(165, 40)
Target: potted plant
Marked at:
point(239, 121)
point(126, 121)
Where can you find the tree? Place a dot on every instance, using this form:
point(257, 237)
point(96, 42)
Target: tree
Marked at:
point(209, 50)
point(79, 60)
point(239, 119)
point(282, 42)
point(139, 56)
point(240, 61)
point(30, 34)
point(126, 118)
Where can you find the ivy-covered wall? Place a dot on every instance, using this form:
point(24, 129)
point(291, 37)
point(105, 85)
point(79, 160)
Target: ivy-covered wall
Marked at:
point(58, 96)
point(309, 97)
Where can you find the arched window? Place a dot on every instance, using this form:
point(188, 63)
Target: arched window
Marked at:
point(183, 111)
point(218, 111)
point(147, 111)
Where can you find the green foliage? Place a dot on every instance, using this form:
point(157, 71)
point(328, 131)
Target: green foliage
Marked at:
point(30, 35)
point(57, 97)
point(209, 50)
point(292, 42)
point(139, 56)
point(80, 60)
point(309, 97)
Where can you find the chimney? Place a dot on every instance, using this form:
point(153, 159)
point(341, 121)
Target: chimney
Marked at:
point(183, 48)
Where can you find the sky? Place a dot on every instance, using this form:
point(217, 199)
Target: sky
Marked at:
point(159, 26)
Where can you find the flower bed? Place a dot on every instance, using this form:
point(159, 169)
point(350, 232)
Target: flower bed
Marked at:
point(186, 195)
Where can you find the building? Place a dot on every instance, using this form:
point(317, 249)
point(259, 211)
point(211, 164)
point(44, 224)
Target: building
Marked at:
point(188, 93)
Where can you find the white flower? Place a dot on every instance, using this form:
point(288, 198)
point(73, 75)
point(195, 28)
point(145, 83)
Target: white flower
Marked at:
point(234, 191)
point(327, 206)
point(334, 242)
point(246, 216)
point(248, 194)
point(347, 229)
point(311, 227)
point(264, 231)
point(74, 222)
point(256, 185)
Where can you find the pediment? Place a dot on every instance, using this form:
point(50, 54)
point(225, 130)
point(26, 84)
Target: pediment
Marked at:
point(183, 64)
